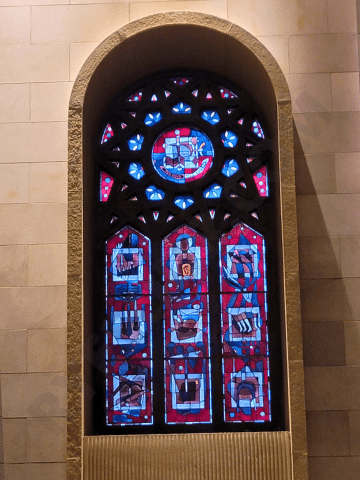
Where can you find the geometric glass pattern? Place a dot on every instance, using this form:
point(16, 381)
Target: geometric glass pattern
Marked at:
point(186, 328)
point(135, 142)
point(182, 154)
point(181, 108)
point(154, 193)
point(152, 118)
point(229, 139)
point(136, 170)
point(244, 326)
point(183, 202)
point(211, 116)
point(106, 182)
point(261, 181)
point(129, 330)
point(230, 167)
point(213, 192)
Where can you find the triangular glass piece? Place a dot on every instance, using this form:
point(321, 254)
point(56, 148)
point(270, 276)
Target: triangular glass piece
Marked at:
point(226, 216)
point(256, 128)
point(180, 81)
point(142, 218)
point(108, 133)
point(254, 214)
point(124, 187)
point(154, 98)
point(133, 114)
point(156, 215)
point(116, 149)
point(170, 217)
point(167, 94)
point(230, 111)
point(225, 93)
point(133, 199)
point(195, 93)
point(212, 214)
point(113, 219)
point(249, 160)
point(243, 184)
point(123, 125)
point(117, 164)
point(198, 216)
point(208, 96)
point(106, 183)
point(241, 121)
point(136, 97)
point(261, 181)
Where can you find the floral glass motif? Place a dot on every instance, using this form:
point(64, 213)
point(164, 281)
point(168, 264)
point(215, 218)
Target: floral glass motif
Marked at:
point(183, 202)
point(229, 139)
point(154, 193)
point(261, 181)
point(135, 142)
point(230, 167)
point(136, 171)
point(244, 326)
point(256, 128)
point(186, 328)
point(181, 108)
point(128, 327)
point(106, 183)
point(152, 118)
point(182, 154)
point(214, 191)
point(108, 133)
point(211, 116)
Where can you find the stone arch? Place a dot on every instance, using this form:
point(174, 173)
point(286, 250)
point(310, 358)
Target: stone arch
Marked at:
point(182, 39)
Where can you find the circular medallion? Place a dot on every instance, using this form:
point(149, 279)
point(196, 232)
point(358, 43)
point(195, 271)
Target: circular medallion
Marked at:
point(182, 154)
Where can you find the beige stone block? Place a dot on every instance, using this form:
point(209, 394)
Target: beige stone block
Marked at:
point(347, 167)
point(328, 434)
point(342, 16)
point(217, 8)
point(276, 17)
point(34, 63)
point(328, 468)
point(315, 174)
point(77, 23)
point(79, 52)
point(352, 342)
point(330, 300)
point(13, 351)
point(14, 440)
point(332, 388)
point(354, 421)
point(14, 261)
point(50, 101)
point(330, 215)
point(33, 307)
point(45, 440)
point(310, 92)
point(15, 102)
point(47, 264)
point(47, 182)
point(278, 46)
point(324, 343)
point(33, 395)
point(326, 132)
point(40, 142)
point(12, 3)
point(350, 256)
point(345, 91)
point(15, 25)
point(15, 472)
point(14, 182)
point(319, 257)
point(46, 350)
point(35, 223)
point(323, 53)
point(38, 471)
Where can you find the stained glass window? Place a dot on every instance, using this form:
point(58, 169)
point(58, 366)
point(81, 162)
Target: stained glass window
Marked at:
point(184, 307)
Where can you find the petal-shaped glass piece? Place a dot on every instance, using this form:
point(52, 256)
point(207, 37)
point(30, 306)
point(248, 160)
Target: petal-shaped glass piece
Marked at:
point(181, 107)
point(211, 116)
point(183, 202)
point(142, 218)
point(198, 217)
point(108, 133)
point(230, 167)
point(256, 128)
point(136, 170)
point(261, 181)
point(170, 217)
point(225, 93)
point(156, 215)
point(154, 193)
point(136, 97)
point(214, 191)
point(152, 118)
point(229, 139)
point(106, 183)
point(212, 214)
point(226, 216)
point(135, 142)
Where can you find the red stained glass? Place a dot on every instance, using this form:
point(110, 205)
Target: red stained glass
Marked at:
point(261, 181)
point(136, 97)
point(108, 133)
point(225, 93)
point(106, 183)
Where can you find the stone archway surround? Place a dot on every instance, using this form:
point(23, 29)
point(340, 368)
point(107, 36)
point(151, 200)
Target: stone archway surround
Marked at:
point(178, 39)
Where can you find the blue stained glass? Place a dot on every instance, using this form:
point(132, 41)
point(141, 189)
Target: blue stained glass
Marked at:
point(181, 108)
point(230, 167)
point(184, 202)
point(152, 118)
point(154, 193)
point(136, 141)
point(256, 128)
point(214, 191)
point(136, 170)
point(211, 116)
point(229, 139)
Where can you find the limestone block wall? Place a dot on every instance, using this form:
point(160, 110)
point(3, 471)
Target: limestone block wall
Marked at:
point(43, 44)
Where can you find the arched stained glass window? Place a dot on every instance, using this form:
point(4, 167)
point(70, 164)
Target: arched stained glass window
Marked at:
point(185, 283)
